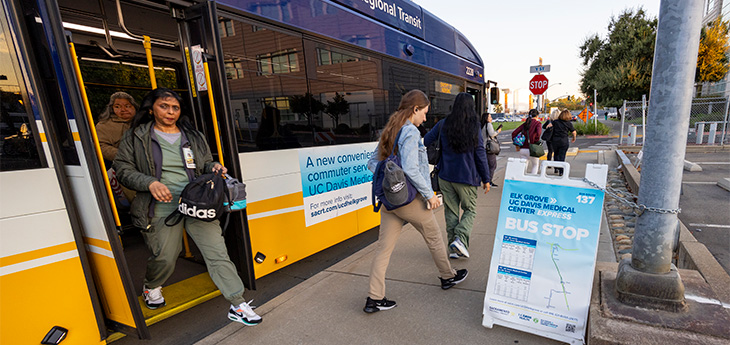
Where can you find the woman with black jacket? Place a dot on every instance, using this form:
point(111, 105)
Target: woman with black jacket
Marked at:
point(462, 169)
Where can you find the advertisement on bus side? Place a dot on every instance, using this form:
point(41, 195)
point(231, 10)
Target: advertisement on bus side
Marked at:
point(335, 180)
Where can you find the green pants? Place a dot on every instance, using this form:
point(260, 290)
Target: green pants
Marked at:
point(165, 243)
point(459, 195)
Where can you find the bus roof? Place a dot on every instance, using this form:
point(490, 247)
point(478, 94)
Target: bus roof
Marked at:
point(399, 28)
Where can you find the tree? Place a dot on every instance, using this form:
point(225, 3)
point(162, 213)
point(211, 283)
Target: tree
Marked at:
point(569, 103)
point(712, 60)
point(306, 105)
point(620, 65)
point(338, 106)
point(497, 108)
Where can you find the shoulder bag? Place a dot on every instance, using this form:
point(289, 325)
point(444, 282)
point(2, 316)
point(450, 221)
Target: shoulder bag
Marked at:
point(492, 146)
point(435, 147)
point(536, 149)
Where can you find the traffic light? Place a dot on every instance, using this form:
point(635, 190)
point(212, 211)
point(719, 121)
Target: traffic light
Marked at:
point(494, 95)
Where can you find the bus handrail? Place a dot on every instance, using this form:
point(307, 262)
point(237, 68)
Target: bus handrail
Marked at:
point(97, 147)
point(148, 52)
point(213, 113)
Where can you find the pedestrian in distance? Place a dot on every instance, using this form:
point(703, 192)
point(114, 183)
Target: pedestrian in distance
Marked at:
point(531, 129)
point(562, 128)
point(462, 169)
point(158, 157)
point(489, 133)
point(547, 133)
point(410, 114)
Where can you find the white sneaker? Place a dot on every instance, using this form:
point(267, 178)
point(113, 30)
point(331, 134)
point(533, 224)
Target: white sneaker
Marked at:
point(153, 297)
point(244, 314)
point(453, 256)
point(459, 247)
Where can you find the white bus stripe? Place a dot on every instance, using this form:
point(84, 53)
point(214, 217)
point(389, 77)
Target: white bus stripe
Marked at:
point(38, 262)
point(275, 212)
point(99, 250)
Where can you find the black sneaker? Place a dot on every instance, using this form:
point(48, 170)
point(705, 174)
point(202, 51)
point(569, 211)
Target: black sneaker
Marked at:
point(372, 305)
point(458, 278)
point(494, 184)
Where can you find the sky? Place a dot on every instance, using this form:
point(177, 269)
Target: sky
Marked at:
point(513, 35)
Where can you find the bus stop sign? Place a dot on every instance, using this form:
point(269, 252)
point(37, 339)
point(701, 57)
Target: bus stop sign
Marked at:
point(538, 84)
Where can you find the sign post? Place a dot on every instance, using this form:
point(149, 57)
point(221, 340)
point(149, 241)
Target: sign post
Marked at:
point(544, 256)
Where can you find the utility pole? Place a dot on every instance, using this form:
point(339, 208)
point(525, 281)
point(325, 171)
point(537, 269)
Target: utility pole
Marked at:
point(649, 279)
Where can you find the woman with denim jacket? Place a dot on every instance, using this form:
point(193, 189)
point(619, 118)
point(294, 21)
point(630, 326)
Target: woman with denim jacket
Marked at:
point(411, 113)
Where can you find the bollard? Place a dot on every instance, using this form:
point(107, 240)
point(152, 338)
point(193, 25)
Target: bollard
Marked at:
point(713, 134)
point(700, 132)
point(632, 135)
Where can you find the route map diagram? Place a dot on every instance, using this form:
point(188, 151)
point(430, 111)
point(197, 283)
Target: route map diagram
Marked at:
point(555, 257)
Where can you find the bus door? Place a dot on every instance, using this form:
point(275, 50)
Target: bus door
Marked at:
point(50, 57)
point(476, 92)
point(200, 39)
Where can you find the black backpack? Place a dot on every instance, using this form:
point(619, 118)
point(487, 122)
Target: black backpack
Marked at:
point(391, 187)
point(202, 199)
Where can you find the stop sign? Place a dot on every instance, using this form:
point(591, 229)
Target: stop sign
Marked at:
point(538, 84)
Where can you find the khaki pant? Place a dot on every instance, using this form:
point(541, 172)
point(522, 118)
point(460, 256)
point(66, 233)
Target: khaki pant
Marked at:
point(165, 243)
point(391, 223)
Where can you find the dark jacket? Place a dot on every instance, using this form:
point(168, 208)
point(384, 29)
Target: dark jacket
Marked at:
point(139, 163)
point(468, 168)
point(535, 131)
point(562, 129)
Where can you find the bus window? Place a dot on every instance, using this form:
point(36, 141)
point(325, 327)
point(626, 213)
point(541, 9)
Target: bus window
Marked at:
point(288, 92)
point(19, 146)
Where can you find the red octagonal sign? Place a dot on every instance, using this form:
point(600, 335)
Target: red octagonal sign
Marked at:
point(538, 84)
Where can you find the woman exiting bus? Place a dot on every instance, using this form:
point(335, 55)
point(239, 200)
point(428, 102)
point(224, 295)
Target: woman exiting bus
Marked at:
point(462, 169)
point(158, 157)
point(411, 113)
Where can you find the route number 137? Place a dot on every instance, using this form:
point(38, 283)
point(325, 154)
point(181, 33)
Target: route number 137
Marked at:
point(584, 199)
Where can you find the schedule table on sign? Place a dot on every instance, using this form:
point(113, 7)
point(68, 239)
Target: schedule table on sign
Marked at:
point(517, 252)
point(512, 283)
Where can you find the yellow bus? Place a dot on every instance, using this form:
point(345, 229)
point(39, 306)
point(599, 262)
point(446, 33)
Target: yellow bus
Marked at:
point(291, 95)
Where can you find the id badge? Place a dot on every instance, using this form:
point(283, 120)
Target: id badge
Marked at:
point(189, 161)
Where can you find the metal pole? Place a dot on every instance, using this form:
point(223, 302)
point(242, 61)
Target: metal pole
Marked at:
point(724, 123)
point(623, 116)
point(595, 109)
point(675, 61)
point(643, 119)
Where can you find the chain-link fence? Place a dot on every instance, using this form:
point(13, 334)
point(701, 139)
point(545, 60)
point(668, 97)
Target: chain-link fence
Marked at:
point(708, 122)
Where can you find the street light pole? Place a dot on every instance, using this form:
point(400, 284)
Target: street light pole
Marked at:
point(649, 279)
point(544, 94)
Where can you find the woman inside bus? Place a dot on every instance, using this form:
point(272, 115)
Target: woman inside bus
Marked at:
point(161, 136)
point(113, 122)
point(531, 129)
point(410, 114)
point(462, 169)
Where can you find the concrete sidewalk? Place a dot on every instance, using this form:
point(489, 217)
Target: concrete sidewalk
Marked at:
point(327, 308)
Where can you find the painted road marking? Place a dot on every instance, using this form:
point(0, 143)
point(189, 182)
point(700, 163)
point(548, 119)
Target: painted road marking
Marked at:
point(700, 225)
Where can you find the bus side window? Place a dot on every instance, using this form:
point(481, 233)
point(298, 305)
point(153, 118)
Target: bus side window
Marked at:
point(19, 145)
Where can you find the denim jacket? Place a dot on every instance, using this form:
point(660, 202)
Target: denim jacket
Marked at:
point(413, 158)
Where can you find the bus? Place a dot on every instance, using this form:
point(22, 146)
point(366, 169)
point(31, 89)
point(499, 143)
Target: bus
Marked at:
point(291, 95)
